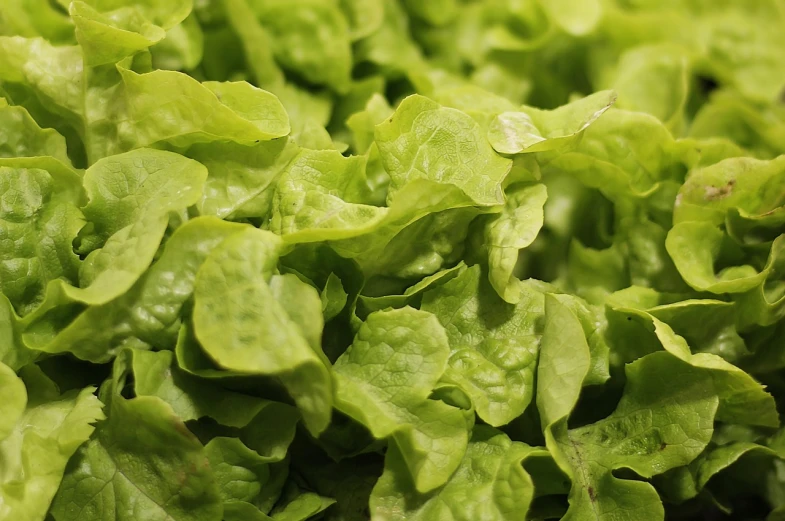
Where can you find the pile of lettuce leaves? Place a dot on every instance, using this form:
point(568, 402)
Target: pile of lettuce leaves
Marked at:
point(392, 260)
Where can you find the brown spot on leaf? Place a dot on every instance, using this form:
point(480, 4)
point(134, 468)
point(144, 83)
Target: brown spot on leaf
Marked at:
point(713, 192)
point(663, 445)
point(592, 494)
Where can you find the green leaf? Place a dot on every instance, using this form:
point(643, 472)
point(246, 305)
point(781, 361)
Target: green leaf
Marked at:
point(131, 196)
point(423, 140)
point(231, 111)
point(150, 311)
point(239, 471)
point(13, 352)
point(493, 344)
point(622, 154)
point(741, 399)
point(142, 461)
point(363, 123)
point(106, 38)
point(391, 48)
point(235, 276)
point(511, 231)
point(490, 482)
point(384, 380)
point(708, 326)
point(256, 43)
point(321, 195)
point(182, 49)
point(242, 179)
point(30, 18)
point(653, 79)
point(535, 130)
point(412, 294)
point(39, 220)
point(14, 395)
point(575, 17)
point(363, 16)
point(756, 129)
point(156, 374)
point(300, 505)
point(422, 232)
point(303, 305)
point(40, 443)
point(683, 483)
point(164, 13)
point(696, 247)
point(23, 137)
point(749, 186)
point(438, 12)
point(564, 362)
point(333, 297)
point(309, 37)
point(654, 428)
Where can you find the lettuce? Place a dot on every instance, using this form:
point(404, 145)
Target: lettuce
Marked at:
point(392, 260)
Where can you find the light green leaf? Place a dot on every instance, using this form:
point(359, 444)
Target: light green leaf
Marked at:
point(33, 456)
point(246, 339)
point(131, 196)
point(576, 17)
point(509, 232)
point(321, 195)
point(155, 374)
point(39, 220)
point(300, 505)
point(411, 296)
point(13, 352)
point(142, 461)
point(239, 471)
point(363, 16)
point(391, 48)
point(233, 111)
point(423, 140)
point(165, 13)
point(654, 428)
point(564, 362)
point(51, 74)
point(122, 189)
point(622, 154)
point(150, 311)
point(21, 136)
point(183, 47)
point(384, 380)
point(241, 179)
point(751, 186)
point(756, 129)
point(683, 483)
point(489, 484)
point(436, 12)
point(422, 232)
point(535, 130)
point(303, 305)
point(310, 37)
point(333, 297)
point(13, 396)
point(742, 400)
point(256, 43)
point(106, 38)
point(709, 326)
point(653, 79)
point(362, 123)
point(30, 18)
point(493, 344)
point(696, 247)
